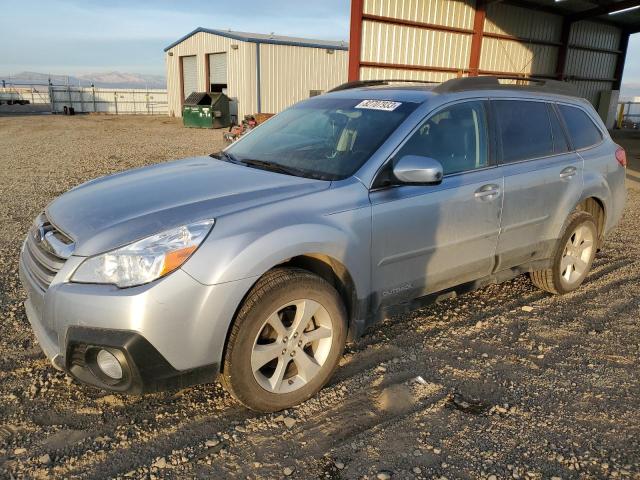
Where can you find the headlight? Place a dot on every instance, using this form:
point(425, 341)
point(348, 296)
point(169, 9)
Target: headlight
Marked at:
point(145, 260)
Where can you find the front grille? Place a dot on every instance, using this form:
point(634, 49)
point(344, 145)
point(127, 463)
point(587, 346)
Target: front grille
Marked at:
point(43, 257)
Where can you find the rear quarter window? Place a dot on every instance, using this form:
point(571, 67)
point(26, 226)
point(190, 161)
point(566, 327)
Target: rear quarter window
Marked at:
point(581, 128)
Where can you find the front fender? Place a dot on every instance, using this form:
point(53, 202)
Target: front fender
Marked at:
point(240, 253)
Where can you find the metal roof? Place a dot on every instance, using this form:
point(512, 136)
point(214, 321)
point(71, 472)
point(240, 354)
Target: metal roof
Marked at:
point(621, 13)
point(267, 38)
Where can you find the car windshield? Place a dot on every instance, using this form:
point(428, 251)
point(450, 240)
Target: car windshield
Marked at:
point(324, 138)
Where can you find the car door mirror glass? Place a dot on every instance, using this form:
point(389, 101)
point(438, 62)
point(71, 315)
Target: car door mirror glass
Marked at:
point(416, 169)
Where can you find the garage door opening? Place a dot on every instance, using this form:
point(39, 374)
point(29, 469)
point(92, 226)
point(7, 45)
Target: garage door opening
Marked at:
point(218, 73)
point(189, 75)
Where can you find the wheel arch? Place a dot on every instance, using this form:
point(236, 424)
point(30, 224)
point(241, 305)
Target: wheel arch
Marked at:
point(326, 267)
point(337, 275)
point(595, 206)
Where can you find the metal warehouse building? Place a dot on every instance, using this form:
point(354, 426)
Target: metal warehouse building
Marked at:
point(581, 41)
point(260, 73)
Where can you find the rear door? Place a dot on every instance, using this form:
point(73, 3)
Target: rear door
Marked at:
point(542, 179)
point(428, 238)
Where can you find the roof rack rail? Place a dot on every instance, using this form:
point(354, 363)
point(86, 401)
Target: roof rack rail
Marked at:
point(371, 83)
point(534, 84)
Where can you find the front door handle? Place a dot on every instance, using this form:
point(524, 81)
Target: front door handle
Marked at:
point(568, 172)
point(487, 192)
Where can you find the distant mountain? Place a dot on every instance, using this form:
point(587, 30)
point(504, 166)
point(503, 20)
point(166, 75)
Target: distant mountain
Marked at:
point(105, 80)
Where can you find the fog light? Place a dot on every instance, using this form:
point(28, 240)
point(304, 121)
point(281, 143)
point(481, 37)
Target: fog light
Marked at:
point(109, 364)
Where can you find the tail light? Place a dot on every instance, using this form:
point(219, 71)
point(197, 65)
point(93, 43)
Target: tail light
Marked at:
point(621, 156)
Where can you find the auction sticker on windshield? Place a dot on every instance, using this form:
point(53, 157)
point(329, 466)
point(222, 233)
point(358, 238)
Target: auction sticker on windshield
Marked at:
point(385, 105)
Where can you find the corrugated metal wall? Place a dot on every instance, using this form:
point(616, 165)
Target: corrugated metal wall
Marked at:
point(440, 12)
point(600, 65)
point(384, 43)
point(406, 45)
point(521, 41)
point(241, 70)
point(288, 73)
point(503, 55)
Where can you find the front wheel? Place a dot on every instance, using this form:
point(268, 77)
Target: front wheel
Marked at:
point(286, 340)
point(573, 257)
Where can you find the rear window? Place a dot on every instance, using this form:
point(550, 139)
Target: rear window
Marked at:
point(525, 129)
point(582, 130)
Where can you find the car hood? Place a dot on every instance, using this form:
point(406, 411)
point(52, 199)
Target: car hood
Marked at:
point(112, 211)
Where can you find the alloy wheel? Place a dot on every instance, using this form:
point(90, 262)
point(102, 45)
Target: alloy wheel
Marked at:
point(577, 255)
point(292, 346)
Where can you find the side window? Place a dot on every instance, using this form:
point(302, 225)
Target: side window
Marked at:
point(525, 129)
point(581, 128)
point(455, 136)
point(560, 144)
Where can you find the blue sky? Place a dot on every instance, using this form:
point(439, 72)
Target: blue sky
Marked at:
point(87, 36)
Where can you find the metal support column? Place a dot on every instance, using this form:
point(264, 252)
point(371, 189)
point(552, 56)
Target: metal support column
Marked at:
point(476, 39)
point(355, 39)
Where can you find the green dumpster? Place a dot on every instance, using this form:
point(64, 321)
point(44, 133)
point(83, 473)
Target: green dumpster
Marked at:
point(206, 110)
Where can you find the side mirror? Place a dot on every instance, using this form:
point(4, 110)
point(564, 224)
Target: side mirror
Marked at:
point(414, 169)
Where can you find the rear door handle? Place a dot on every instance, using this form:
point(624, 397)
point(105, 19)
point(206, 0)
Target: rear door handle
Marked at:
point(568, 172)
point(487, 192)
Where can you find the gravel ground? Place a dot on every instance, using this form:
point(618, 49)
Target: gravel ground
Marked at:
point(556, 377)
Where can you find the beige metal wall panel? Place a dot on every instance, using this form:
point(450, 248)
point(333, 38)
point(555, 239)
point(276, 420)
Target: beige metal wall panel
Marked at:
point(241, 69)
point(372, 73)
point(499, 55)
point(289, 73)
point(522, 22)
point(597, 35)
point(583, 63)
point(450, 13)
point(591, 64)
point(403, 45)
point(591, 90)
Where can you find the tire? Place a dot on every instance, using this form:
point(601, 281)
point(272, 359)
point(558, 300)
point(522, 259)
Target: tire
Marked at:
point(270, 325)
point(572, 257)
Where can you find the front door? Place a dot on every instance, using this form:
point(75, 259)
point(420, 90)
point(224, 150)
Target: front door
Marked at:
point(428, 238)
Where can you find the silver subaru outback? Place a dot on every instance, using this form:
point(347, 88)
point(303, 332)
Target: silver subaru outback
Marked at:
point(256, 264)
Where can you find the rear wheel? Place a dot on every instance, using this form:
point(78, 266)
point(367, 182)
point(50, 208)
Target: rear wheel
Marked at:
point(573, 257)
point(286, 340)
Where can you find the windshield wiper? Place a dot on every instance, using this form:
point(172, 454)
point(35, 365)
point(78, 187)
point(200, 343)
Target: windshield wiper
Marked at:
point(273, 167)
point(226, 157)
point(261, 164)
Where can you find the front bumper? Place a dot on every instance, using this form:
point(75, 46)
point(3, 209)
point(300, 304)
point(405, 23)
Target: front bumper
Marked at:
point(171, 332)
point(144, 368)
